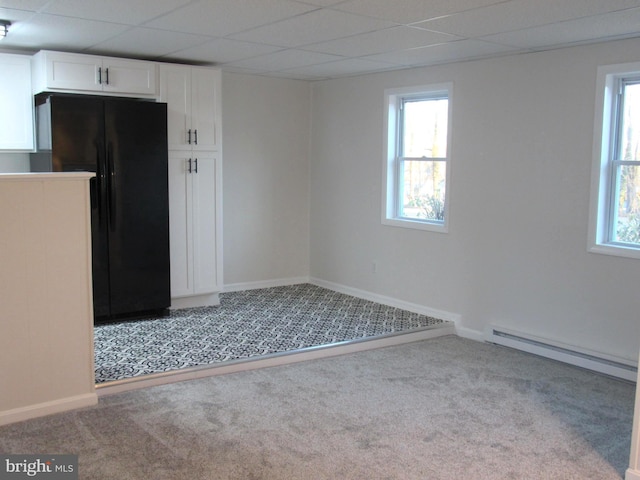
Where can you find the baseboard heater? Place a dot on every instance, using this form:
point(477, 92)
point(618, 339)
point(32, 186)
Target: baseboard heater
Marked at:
point(595, 361)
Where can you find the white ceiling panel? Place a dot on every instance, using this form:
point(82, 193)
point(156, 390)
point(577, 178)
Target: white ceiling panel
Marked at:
point(443, 53)
point(45, 31)
point(608, 26)
point(118, 11)
point(313, 27)
point(342, 68)
point(284, 60)
point(320, 3)
point(223, 17)
point(381, 41)
point(221, 51)
point(149, 42)
point(302, 38)
point(29, 5)
point(520, 14)
point(411, 11)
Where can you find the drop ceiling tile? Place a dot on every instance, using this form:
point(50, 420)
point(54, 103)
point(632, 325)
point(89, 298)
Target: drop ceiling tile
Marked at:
point(320, 3)
point(222, 51)
point(380, 41)
point(28, 5)
point(18, 20)
point(342, 68)
point(147, 43)
point(15, 16)
point(54, 32)
point(313, 27)
point(220, 18)
point(284, 60)
point(118, 11)
point(411, 11)
point(443, 53)
point(600, 27)
point(520, 14)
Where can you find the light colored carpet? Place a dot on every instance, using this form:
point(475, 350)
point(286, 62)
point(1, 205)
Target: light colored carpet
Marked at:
point(445, 408)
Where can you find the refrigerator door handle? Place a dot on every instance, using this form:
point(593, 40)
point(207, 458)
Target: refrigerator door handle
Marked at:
point(100, 184)
point(111, 193)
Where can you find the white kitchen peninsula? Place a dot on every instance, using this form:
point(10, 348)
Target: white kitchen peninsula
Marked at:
point(46, 314)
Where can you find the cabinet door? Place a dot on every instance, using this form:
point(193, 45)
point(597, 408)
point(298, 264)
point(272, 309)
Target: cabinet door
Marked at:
point(205, 178)
point(128, 76)
point(180, 224)
point(16, 113)
point(66, 71)
point(205, 101)
point(175, 91)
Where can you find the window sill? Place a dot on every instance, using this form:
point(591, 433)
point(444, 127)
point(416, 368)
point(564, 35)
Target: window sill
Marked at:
point(615, 250)
point(416, 225)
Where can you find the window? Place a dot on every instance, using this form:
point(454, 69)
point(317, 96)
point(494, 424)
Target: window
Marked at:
point(416, 163)
point(615, 203)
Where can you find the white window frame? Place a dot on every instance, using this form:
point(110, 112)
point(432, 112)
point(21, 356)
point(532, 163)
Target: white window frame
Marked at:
point(601, 215)
point(391, 188)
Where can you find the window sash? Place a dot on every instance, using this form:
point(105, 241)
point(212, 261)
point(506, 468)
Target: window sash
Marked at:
point(401, 160)
point(615, 163)
point(400, 188)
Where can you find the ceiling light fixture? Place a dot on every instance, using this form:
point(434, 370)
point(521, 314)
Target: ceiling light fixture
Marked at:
point(4, 28)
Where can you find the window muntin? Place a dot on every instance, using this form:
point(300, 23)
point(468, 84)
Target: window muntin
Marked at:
point(418, 144)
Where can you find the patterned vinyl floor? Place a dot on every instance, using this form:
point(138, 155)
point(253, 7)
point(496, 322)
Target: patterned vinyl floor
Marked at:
point(244, 325)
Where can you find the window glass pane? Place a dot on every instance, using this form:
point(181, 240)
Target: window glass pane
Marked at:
point(424, 131)
point(630, 127)
point(627, 208)
point(423, 189)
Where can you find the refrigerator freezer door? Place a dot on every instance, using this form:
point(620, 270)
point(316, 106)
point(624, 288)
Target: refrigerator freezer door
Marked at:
point(138, 205)
point(77, 135)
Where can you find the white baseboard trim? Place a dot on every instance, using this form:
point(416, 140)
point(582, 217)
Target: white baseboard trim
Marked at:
point(48, 408)
point(276, 282)
point(469, 333)
point(632, 474)
point(209, 300)
point(390, 301)
point(273, 360)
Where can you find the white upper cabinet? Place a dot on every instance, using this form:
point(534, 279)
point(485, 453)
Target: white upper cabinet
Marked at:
point(70, 72)
point(16, 103)
point(192, 95)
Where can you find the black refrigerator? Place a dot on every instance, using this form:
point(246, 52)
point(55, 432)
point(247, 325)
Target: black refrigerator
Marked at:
point(124, 141)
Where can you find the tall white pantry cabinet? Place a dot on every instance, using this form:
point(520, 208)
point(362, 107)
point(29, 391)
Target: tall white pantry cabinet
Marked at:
point(193, 101)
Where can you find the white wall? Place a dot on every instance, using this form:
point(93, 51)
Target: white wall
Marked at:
point(516, 251)
point(265, 178)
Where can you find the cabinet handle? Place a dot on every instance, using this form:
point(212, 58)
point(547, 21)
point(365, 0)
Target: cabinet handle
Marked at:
point(106, 71)
point(100, 75)
point(189, 169)
point(189, 137)
point(196, 169)
point(196, 137)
